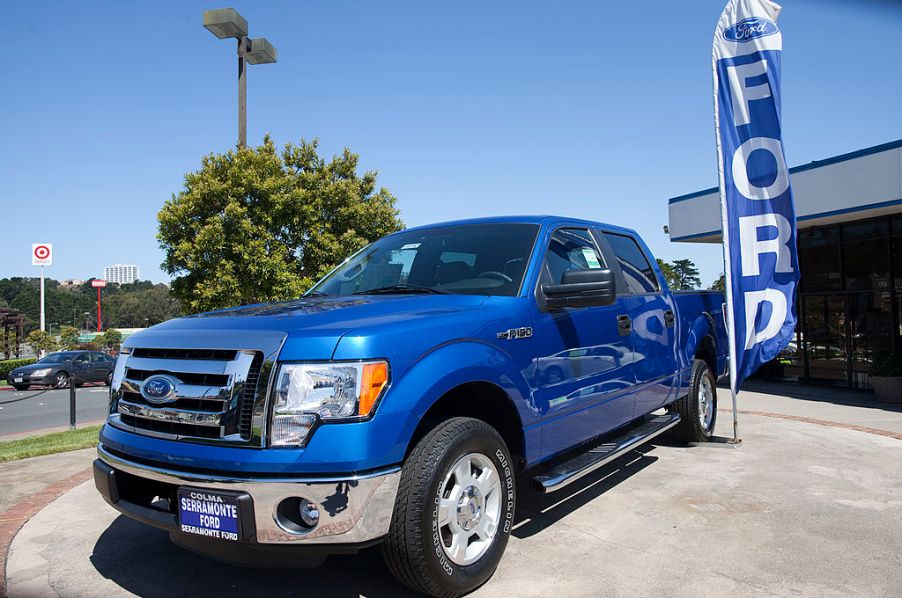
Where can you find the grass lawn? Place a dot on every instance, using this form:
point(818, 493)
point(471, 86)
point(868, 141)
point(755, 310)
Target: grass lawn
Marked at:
point(3, 382)
point(48, 444)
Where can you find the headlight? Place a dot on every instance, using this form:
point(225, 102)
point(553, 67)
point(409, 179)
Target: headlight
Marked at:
point(41, 372)
point(308, 392)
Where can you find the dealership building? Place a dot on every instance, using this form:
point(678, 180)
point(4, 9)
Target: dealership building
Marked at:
point(849, 214)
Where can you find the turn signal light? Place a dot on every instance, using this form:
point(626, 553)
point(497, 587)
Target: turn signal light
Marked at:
point(373, 380)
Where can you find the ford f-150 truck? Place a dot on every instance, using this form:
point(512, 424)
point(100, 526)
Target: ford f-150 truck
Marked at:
point(399, 400)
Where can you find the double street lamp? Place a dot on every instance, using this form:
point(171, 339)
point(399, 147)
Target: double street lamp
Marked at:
point(226, 23)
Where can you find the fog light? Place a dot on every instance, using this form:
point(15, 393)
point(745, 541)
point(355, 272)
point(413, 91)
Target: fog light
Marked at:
point(309, 513)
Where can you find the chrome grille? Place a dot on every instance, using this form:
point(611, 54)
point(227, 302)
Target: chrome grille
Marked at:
point(215, 397)
point(246, 407)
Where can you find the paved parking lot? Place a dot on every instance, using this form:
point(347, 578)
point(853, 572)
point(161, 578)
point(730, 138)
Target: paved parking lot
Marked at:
point(38, 408)
point(801, 509)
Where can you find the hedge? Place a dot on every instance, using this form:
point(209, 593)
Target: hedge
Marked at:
point(7, 366)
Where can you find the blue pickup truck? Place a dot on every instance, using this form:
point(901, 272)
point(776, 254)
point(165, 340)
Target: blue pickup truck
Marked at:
point(400, 400)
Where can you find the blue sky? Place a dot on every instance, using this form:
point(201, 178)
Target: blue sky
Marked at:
point(599, 110)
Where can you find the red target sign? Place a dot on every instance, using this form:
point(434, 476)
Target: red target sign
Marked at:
point(42, 254)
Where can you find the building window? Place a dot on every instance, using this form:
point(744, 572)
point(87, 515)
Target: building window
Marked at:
point(866, 255)
point(819, 256)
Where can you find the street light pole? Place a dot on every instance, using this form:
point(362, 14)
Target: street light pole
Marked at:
point(226, 23)
point(242, 95)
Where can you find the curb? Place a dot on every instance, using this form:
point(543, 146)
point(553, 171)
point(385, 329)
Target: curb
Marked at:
point(819, 422)
point(12, 520)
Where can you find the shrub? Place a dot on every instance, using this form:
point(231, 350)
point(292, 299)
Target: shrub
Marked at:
point(9, 365)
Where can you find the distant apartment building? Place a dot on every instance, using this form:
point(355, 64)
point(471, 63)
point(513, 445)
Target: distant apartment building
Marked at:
point(121, 273)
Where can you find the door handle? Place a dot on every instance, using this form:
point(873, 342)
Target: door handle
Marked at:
point(668, 318)
point(624, 325)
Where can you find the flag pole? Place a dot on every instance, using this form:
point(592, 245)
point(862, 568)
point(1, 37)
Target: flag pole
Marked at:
point(725, 240)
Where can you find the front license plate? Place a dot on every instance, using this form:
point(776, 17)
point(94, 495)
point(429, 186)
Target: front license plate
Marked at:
point(210, 514)
point(17, 380)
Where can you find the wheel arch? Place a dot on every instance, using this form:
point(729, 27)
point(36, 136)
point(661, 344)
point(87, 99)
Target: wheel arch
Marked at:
point(480, 400)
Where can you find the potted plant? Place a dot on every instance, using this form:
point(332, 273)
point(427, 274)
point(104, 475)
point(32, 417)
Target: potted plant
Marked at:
point(886, 376)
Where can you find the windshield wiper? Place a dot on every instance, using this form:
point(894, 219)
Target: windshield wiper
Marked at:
point(402, 288)
point(314, 294)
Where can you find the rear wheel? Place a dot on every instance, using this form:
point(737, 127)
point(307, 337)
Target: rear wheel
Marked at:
point(454, 509)
point(698, 409)
point(109, 379)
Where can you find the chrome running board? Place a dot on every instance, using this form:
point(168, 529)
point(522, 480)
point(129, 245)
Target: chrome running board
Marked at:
point(587, 462)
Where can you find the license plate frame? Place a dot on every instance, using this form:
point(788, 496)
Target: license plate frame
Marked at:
point(215, 514)
point(17, 380)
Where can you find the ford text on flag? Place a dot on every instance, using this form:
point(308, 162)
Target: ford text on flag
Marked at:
point(759, 229)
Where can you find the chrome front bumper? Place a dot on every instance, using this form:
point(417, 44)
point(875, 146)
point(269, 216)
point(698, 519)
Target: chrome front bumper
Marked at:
point(353, 509)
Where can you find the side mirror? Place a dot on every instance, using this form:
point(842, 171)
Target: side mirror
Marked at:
point(582, 288)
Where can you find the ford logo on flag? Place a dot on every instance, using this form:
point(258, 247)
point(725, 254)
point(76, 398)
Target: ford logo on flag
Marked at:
point(158, 390)
point(750, 28)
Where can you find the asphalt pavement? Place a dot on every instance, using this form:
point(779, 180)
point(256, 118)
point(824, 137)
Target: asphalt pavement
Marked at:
point(26, 411)
point(809, 505)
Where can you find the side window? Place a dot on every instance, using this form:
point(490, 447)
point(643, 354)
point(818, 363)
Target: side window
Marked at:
point(639, 275)
point(82, 359)
point(570, 249)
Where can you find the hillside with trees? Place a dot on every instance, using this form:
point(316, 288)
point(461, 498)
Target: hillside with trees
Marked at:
point(133, 305)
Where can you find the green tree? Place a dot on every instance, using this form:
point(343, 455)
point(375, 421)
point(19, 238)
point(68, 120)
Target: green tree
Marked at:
point(110, 340)
point(720, 284)
point(40, 341)
point(686, 275)
point(668, 273)
point(257, 224)
point(69, 337)
point(137, 307)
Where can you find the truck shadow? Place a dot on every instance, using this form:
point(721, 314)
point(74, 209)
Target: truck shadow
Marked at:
point(537, 511)
point(143, 561)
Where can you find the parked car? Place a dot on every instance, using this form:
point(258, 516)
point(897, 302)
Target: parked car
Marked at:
point(397, 402)
point(57, 368)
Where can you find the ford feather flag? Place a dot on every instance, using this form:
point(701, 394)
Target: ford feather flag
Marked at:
point(759, 227)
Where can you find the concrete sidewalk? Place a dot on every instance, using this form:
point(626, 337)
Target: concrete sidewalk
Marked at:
point(800, 509)
point(857, 408)
point(29, 485)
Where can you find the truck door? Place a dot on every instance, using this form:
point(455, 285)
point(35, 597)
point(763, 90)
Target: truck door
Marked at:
point(583, 368)
point(652, 319)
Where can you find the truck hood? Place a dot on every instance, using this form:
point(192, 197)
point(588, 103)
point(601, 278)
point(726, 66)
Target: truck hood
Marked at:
point(310, 327)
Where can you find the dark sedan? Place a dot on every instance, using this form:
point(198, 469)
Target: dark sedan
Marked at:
point(57, 369)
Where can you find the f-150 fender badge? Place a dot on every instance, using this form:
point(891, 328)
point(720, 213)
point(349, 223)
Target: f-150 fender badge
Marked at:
point(515, 333)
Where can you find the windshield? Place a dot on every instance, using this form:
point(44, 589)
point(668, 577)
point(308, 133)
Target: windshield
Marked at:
point(472, 259)
point(57, 358)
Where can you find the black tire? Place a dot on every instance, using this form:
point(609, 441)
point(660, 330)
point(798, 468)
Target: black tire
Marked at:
point(21, 386)
point(109, 379)
point(412, 548)
point(61, 380)
point(691, 427)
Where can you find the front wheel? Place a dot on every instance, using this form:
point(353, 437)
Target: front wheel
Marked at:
point(454, 510)
point(698, 409)
point(61, 380)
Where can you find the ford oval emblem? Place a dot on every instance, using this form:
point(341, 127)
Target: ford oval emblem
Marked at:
point(748, 29)
point(158, 389)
